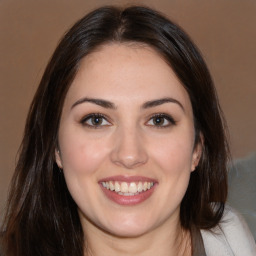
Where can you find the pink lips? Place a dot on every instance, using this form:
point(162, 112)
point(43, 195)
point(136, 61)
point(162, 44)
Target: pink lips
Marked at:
point(132, 199)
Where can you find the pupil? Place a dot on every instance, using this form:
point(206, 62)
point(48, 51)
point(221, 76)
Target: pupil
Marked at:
point(158, 120)
point(97, 120)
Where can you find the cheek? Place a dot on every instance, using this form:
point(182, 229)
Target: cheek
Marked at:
point(82, 159)
point(174, 153)
point(81, 155)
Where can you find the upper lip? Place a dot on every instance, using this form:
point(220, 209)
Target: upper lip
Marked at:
point(128, 179)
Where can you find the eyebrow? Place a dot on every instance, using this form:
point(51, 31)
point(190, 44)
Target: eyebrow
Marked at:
point(110, 105)
point(154, 103)
point(99, 102)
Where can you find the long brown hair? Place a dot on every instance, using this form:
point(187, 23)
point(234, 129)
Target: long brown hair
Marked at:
point(41, 217)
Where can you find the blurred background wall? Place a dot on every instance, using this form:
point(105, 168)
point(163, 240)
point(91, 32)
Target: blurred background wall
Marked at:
point(224, 30)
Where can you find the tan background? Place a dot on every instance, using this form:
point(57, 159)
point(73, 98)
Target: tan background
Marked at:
point(225, 31)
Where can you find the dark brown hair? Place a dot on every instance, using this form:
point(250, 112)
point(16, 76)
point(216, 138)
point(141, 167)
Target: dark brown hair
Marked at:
point(41, 216)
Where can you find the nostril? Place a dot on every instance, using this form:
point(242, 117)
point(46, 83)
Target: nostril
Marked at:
point(129, 161)
point(128, 149)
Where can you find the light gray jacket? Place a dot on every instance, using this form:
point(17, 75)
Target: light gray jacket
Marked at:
point(231, 237)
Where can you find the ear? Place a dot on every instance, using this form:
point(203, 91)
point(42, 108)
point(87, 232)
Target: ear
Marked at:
point(58, 158)
point(197, 153)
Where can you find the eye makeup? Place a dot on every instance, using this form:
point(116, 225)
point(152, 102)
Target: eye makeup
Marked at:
point(161, 120)
point(95, 121)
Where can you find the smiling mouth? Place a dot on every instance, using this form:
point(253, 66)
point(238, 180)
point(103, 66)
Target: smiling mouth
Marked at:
point(127, 188)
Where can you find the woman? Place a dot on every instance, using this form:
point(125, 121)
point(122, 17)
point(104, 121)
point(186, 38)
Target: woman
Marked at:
point(124, 151)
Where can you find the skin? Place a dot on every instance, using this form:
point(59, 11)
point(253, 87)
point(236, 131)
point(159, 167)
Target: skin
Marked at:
point(128, 142)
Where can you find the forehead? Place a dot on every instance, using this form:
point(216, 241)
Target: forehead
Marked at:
point(122, 72)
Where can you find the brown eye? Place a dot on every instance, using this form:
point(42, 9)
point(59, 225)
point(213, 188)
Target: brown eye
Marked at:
point(158, 121)
point(161, 121)
point(95, 121)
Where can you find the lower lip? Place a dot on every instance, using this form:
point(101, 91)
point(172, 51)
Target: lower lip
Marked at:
point(128, 200)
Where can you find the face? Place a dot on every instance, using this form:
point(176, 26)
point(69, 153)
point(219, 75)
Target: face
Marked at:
point(126, 141)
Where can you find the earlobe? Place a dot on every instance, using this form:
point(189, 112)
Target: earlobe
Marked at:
point(58, 158)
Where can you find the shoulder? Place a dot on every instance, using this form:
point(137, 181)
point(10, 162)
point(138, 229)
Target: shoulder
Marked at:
point(231, 237)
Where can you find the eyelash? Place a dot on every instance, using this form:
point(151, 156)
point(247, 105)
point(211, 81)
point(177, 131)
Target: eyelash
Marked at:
point(85, 119)
point(91, 116)
point(169, 119)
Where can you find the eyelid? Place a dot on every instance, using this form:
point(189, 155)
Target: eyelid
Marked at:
point(93, 115)
point(168, 117)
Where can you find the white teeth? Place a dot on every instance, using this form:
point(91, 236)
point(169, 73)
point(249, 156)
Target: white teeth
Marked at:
point(117, 187)
point(127, 189)
point(133, 188)
point(111, 186)
point(145, 186)
point(140, 188)
point(124, 187)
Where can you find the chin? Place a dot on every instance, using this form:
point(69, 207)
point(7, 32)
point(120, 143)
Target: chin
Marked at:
point(127, 232)
point(128, 227)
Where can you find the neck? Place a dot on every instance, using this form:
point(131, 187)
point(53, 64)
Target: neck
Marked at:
point(166, 240)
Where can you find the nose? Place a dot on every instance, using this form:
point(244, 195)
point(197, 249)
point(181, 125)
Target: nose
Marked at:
point(129, 150)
